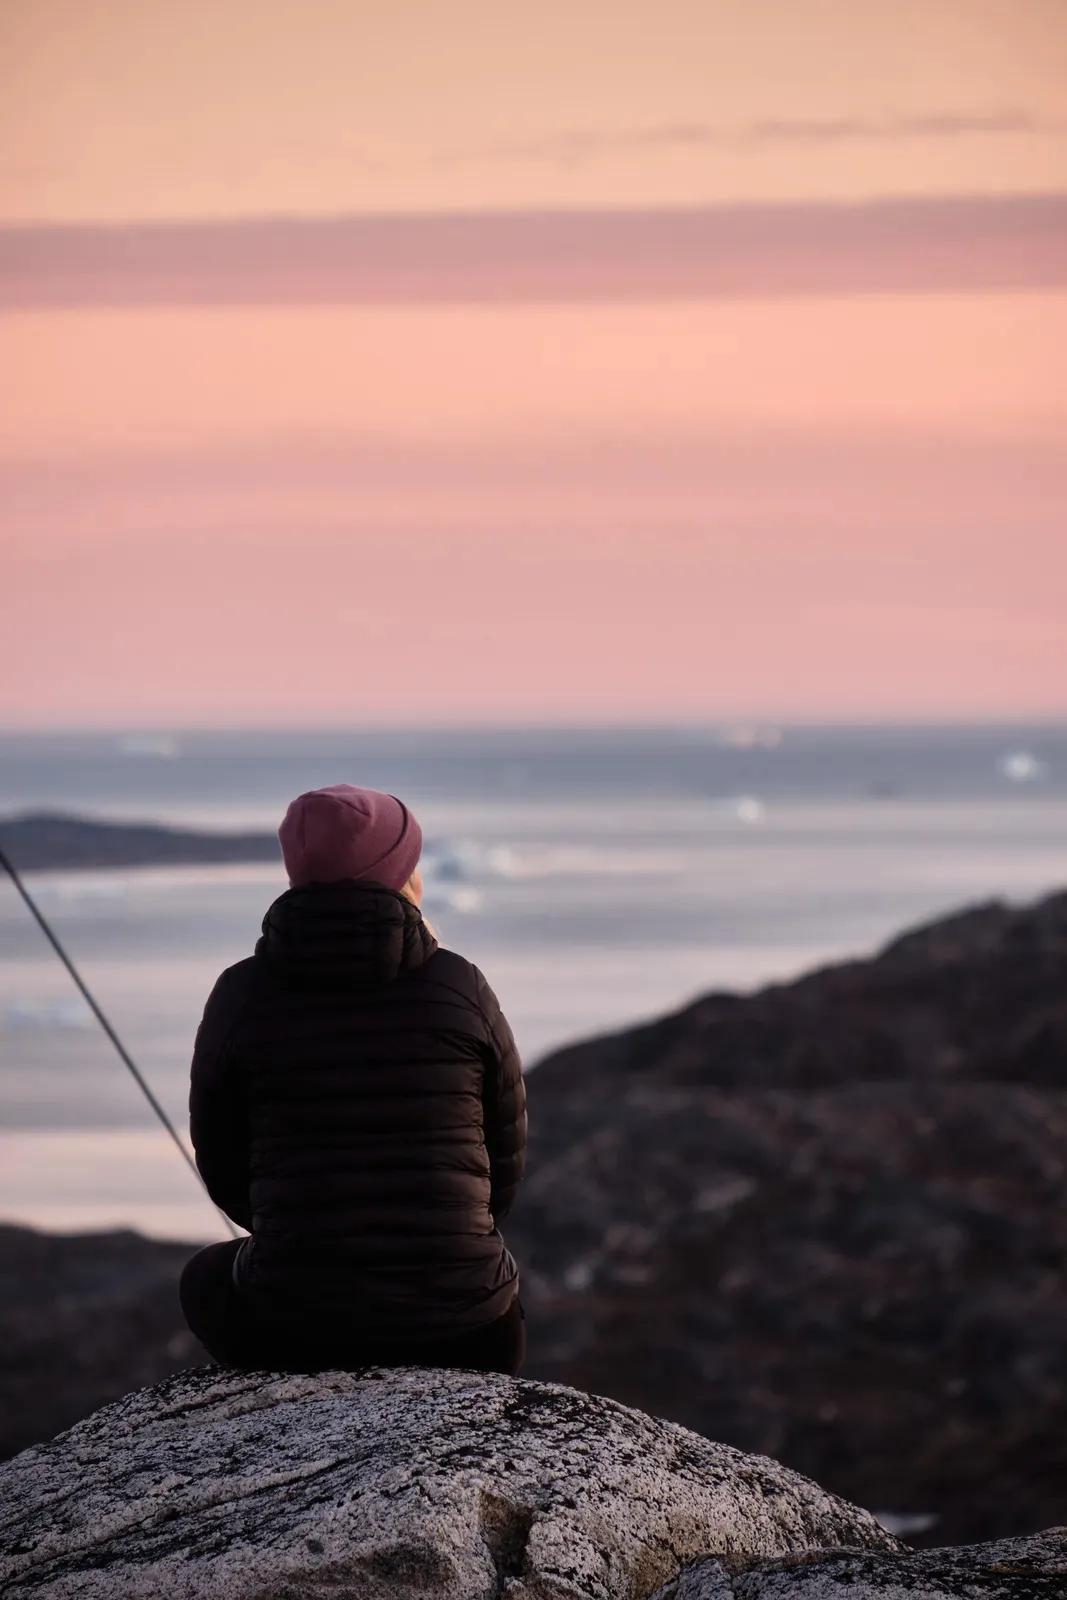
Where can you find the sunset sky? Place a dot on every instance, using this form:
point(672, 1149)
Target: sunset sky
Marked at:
point(486, 362)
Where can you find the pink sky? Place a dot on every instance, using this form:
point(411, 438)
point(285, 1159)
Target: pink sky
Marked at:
point(674, 393)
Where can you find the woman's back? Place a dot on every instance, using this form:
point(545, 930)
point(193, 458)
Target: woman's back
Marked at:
point(357, 1103)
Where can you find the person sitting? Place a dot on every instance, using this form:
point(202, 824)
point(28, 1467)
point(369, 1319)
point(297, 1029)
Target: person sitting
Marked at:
point(357, 1104)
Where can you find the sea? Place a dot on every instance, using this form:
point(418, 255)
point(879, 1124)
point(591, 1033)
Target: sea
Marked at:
point(598, 876)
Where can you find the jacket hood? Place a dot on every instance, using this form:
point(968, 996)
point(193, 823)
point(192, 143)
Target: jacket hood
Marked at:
point(343, 933)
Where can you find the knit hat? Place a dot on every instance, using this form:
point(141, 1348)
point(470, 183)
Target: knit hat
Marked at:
point(345, 832)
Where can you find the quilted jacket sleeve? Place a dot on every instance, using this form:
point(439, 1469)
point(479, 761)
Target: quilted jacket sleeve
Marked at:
point(218, 1113)
point(504, 1104)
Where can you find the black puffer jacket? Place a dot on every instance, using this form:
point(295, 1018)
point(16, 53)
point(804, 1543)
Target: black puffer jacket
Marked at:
point(357, 1103)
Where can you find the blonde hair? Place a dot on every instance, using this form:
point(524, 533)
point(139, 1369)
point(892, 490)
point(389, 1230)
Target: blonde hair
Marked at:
point(404, 890)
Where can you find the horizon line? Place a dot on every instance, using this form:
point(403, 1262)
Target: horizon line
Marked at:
point(711, 724)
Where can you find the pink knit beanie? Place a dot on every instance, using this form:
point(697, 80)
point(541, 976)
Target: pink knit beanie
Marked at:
point(345, 832)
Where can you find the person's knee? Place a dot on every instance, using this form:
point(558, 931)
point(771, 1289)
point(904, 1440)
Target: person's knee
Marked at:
point(204, 1283)
point(190, 1279)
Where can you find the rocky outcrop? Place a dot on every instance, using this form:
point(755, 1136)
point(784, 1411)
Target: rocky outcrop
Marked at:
point(1010, 1569)
point(84, 1318)
point(825, 1222)
point(975, 996)
point(390, 1485)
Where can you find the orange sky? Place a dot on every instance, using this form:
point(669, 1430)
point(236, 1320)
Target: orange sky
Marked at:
point(536, 443)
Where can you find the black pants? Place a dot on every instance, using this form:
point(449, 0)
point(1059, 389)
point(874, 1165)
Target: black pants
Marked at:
point(229, 1330)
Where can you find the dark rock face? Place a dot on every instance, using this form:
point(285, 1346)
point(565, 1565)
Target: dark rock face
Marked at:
point(390, 1485)
point(827, 1222)
point(83, 1318)
point(1011, 1569)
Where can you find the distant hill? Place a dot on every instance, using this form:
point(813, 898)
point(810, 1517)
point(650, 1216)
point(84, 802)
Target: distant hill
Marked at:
point(39, 841)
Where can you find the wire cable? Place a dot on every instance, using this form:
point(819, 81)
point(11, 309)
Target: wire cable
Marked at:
point(112, 1035)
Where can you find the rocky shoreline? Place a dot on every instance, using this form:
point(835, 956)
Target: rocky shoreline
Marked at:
point(823, 1223)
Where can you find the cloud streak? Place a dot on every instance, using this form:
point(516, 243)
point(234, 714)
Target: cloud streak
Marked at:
point(585, 144)
point(899, 246)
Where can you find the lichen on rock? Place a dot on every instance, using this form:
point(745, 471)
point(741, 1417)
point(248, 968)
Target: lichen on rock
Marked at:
point(1030, 1568)
point(391, 1484)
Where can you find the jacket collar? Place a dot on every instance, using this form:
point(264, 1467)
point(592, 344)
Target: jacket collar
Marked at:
point(347, 932)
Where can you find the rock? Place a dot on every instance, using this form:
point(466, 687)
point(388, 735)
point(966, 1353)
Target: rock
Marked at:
point(390, 1485)
point(1034, 1568)
point(825, 1222)
point(84, 1318)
